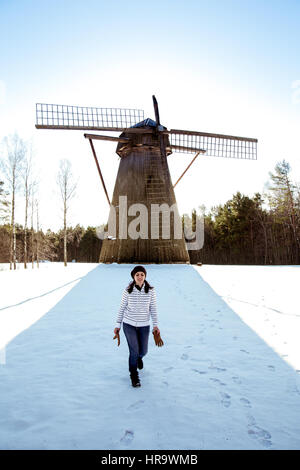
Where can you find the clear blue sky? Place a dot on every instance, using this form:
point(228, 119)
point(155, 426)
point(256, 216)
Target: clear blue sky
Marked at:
point(219, 66)
point(256, 40)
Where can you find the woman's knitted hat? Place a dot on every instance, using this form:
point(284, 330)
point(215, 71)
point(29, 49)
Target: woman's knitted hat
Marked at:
point(138, 269)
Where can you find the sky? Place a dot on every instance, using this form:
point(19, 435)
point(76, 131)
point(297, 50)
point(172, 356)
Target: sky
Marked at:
point(222, 66)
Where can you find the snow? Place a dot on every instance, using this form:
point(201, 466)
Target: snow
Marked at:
point(227, 376)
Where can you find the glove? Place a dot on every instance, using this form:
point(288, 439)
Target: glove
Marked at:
point(158, 341)
point(117, 336)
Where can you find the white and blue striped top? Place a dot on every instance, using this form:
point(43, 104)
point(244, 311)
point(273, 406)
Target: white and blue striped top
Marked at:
point(137, 307)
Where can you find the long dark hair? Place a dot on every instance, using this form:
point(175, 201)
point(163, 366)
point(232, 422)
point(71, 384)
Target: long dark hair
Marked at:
point(132, 284)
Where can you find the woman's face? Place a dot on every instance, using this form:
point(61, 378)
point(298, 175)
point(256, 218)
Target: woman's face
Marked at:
point(139, 278)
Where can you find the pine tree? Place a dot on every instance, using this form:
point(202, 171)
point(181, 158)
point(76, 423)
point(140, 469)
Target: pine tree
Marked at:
point(261, 216)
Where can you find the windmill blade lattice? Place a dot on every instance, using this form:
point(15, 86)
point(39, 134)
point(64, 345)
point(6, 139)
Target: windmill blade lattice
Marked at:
point(55, 116)
point(215, 145)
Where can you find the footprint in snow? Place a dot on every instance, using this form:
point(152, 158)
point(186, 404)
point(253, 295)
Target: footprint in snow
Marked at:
point(225, 399)
point(184, 357)
point(263, 436)
point(255, 432)
point(251, 420)
point(244, 351)
point(236, 380)
point(217, 369)
point(271, 368)
point(128, 437)
point(245, 402)
point(217, 381)
point(199, 371)
point(136, 405)
point(168, 369)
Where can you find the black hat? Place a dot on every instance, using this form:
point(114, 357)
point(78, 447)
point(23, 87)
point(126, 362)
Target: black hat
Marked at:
point(138, 269)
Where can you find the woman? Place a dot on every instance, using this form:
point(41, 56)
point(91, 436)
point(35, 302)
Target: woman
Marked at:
point(138, 303)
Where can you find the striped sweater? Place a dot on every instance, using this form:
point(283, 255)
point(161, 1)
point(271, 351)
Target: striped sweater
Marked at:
point(137, 307)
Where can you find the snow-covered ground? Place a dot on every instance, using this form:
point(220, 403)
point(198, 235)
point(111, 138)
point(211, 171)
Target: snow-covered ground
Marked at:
point(228, 376)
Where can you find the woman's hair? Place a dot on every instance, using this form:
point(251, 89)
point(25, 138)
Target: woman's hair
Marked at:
point(132, 284)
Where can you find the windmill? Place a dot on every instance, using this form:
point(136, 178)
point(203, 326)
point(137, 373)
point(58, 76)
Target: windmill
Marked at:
point(143, 177)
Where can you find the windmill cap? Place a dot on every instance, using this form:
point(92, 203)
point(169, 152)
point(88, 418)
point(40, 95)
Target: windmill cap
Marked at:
point(148, 123)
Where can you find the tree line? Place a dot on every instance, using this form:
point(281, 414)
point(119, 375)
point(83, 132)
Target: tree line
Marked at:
point(83, 245)
point(264, 229)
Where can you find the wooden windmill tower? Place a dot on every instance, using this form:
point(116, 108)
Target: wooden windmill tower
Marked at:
point(143, 177)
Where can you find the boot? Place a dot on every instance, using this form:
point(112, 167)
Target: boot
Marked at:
point(140, 363)
point(135, 381)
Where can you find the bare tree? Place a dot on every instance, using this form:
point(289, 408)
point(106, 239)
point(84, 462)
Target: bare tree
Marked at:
point(32, 231)
point(4, 204)
point(37, 234)
point(67, 188)
point(11, 166)
point(33, 185)
point(28, 186)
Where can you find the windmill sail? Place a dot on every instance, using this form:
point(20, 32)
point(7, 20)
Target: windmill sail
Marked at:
point(214, 145)
point(57, 116)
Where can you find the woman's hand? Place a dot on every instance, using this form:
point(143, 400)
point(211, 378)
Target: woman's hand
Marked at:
point(155, 328)
point(116, 330)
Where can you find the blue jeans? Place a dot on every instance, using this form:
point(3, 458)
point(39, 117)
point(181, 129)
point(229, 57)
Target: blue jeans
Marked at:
point(137, 339)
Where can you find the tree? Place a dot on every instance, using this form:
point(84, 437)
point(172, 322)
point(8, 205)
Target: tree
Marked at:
point(15, 151)
point(235, 226)
point(32, 230)
point(262, 217)
point(283, 203)
point(50, 244)
point(33, 202)
point(67, 188)
point(37, 233)
point(90, 246)
point(4, 204)
point(28, 187)
point(4, 229)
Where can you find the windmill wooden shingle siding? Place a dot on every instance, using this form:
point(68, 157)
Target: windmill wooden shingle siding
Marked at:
point(143, 177)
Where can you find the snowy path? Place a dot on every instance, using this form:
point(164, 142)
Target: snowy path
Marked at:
point(216, 384)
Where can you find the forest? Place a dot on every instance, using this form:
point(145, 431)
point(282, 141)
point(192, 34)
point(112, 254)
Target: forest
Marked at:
point(259, 230)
